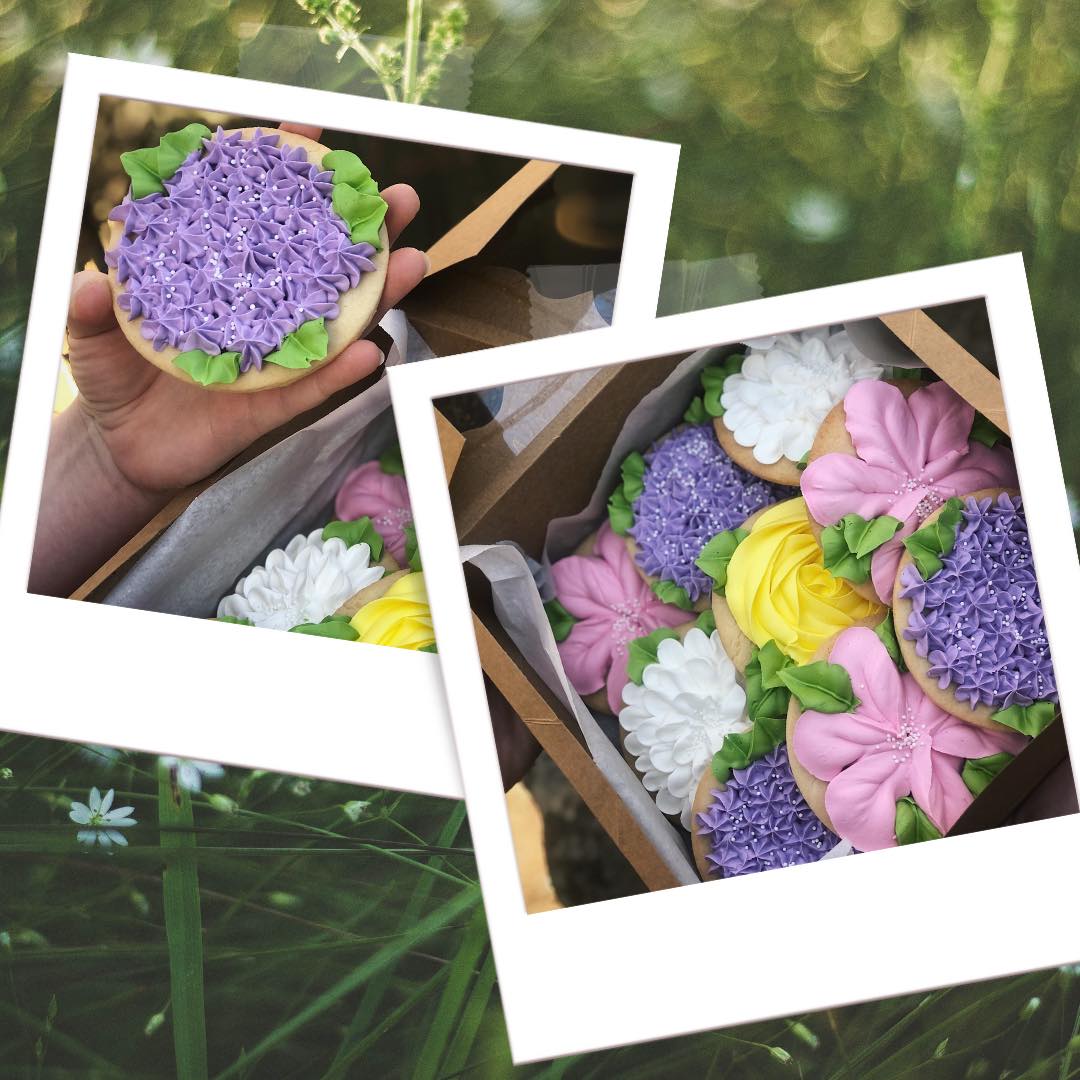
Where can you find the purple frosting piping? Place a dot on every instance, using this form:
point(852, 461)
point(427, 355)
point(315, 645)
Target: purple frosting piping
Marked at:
point(979, 619)
point(243, 247)
point(693, 491)
point(760, 821)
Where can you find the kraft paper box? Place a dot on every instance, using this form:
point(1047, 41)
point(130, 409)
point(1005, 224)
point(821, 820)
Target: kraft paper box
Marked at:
point(531, 491)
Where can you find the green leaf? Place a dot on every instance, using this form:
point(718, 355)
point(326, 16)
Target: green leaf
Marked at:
point(933, 542)
point(362, 212)
point(820, 686)
point(333, 626)
point(848, 544)
point(562, 622)
point(360, 531)
point(742, 749)
point(633, 474)
point(620, 512)
point(765, 702)
point(912, 824)
point(390, 461)
point(771, 661)
point(697, 413)
point(978, 772)
point(803, 461)
point(234, 619)
point(206, 369)
point(670, 593)
point(349, 169)
point(641, 652)
point(712, 381)
point(412, 548)
point(151, 166)
point(985, 432)
point(142, 167)
point(306, 343)
point(886, 632)
point(716, 555)
point(432, 648)
point(1031, 719)
point(706, 621)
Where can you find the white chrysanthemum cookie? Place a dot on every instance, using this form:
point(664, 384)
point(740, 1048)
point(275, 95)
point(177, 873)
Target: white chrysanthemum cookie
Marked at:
point(677, 718)
point(774, 405)
point(303, 583)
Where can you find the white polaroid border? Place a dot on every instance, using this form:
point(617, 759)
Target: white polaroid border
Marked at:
point(845, 930)
point(92, 673)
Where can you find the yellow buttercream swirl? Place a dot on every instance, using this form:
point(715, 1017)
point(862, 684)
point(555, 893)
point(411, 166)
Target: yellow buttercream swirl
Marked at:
point(778, 587)
point(399, 618)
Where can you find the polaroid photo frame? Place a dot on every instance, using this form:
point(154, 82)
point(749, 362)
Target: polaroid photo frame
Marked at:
point(845, 930)
point(93, 673)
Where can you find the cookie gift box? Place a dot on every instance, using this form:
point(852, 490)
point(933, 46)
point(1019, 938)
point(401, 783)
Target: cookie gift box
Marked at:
point(531, 498)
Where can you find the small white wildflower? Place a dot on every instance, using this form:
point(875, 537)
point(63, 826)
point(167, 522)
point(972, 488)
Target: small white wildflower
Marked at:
point(301, 788)
point(101, 821)
point(354, 810)
point(190, 773)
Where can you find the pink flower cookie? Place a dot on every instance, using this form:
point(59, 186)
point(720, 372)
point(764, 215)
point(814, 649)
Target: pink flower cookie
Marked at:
point(893, 744)
point(369, 492)
point(908, 455)
point(611, 605)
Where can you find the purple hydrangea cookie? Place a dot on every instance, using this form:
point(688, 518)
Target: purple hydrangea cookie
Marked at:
point(760, 821)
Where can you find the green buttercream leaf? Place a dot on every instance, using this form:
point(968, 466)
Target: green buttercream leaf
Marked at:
point(641, 652)
point(706, 621)
point(978, 772)
point(349, 169)
point(412, 548)
point(933, 542)
point(886, 632)
point(620, 512)
point(390, 461)
point(333, 626)
point(985, 432)
point(716, 555)
point(1031, 719)
point(820, 686)
point(306, 343)
point(151, 166)
point(669, 593)
point(712, 381)
point(912, 824)
point(562, 622)
point(765, 702)
point(234, 619)
point(206, 369)
point(633, 477)
point(697, 413)
point(363, 213)
point(771, 662)
point(360, 531)
point(429, 648)
point(848, 545)
point(803, 461)
point(742, 749)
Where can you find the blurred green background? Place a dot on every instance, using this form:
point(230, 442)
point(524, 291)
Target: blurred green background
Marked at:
point(823, 142)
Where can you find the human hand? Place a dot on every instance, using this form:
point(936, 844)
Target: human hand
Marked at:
point(161, 433)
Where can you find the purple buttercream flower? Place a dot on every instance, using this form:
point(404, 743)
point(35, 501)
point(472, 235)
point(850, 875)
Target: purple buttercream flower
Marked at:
point(692, 491)
point(760, 821)
point(978, 621)
point(205, 263)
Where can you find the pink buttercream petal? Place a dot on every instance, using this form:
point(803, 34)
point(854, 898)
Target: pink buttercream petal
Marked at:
point(585, 586)
point(861, 801)
point(616, 680)
point(827, 743)
point(982, 467)
point(938, 788)
point(612, 549)
point(968, 741)
point(883, 429)
point(837, 484)
point(942, 421)
point(586, 655)
point(886, 561)
point(874, 678)
point(369, 492)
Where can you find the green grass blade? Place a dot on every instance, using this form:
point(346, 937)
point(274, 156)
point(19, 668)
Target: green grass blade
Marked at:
point(422, 930)
point(183, 927)
point(471, 1017)
point(453, 997)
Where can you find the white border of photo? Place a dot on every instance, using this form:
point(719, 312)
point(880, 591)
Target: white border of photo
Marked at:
point(825, 934)
point(289, 703)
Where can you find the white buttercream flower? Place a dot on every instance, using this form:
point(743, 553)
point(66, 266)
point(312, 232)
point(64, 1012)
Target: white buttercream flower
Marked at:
point(302, 583)
point(678, 718)
point(102, 822)
point(190, 774)
point(777, 402)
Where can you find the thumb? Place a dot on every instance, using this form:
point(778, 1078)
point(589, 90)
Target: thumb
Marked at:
point(90, 312)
